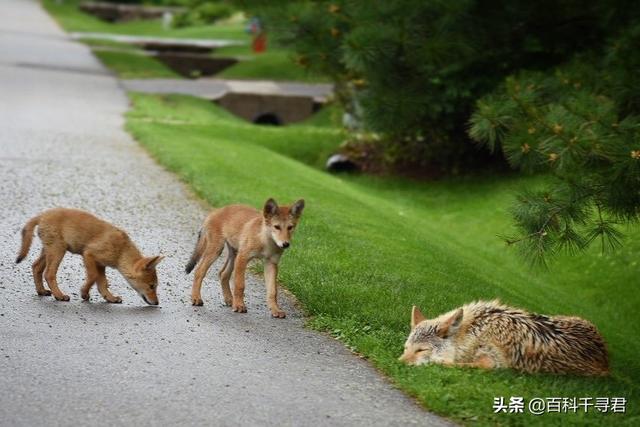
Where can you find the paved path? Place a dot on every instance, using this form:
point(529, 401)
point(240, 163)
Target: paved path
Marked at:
point(211, 88)
point(76, 363)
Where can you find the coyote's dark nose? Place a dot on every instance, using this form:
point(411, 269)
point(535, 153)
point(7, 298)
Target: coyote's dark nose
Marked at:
point(285, 244)
point(148, 301)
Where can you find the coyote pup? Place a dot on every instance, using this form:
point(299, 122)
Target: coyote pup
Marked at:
point(487, 334)
point(247, 234)
point(100, 244)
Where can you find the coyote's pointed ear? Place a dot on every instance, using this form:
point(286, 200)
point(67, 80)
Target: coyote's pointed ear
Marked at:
point(451, 325)
point(297, 208)
point(151, 262)
point(416, 317)
point(270, 208)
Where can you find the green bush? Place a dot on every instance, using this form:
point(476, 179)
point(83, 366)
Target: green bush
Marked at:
point(202, 12)
point(581, 123)
point(416, 68)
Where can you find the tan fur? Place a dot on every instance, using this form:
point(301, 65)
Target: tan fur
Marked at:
point(487, 334)
point(247, 234)
point(100, 244)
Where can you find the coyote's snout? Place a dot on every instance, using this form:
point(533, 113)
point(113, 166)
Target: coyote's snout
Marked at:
point(490, 335)
point(100, 244)
point(247, 234)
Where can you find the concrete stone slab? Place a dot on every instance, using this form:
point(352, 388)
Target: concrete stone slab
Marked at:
point(212, 88)
point(142, 40)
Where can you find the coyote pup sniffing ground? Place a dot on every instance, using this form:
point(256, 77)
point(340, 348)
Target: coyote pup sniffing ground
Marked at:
point(487, 334)
point(100, 244)
point(247, 234)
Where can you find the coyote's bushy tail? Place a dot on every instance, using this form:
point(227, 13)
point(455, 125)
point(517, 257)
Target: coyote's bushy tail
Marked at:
point(27, 238)
point(197, 253)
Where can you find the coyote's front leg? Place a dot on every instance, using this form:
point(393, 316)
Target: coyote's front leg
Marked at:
point(270, 280)
point(480, 361)
point(239, 271)
point(103, 287)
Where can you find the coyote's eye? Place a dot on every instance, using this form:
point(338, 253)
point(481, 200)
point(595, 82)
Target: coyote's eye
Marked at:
point(277, 227)
point(290, 227)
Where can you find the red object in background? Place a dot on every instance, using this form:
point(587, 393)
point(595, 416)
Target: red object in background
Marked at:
point(259, 44)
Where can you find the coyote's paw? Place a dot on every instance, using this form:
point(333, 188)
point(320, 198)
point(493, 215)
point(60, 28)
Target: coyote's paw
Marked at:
point(114, 300)
point(239, 307)
point(84, 296)
point(44, 293)
point(277, 313)
point(197, 301)
point(62, 297)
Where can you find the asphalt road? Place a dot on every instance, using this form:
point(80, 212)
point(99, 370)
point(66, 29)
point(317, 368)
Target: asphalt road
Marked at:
point(62, 143)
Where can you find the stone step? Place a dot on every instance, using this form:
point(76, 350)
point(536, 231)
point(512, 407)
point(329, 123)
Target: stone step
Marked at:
point(159, 43)
point(258, 101)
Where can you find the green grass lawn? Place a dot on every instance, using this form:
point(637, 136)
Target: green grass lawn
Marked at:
point(368, 248)
point(73, 19)
point(274, 64)
point(134, 66)
point(128, 61)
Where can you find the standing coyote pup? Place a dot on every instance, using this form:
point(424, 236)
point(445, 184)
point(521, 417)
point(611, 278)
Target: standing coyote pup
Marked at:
point(100, 244)
point(490, 335)
point(247, 234)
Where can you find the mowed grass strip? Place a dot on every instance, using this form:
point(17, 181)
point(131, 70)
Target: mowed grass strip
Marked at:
point(128, 62)
point(71, 18)
point(310, 144)
point(133, 65)
point(273, 64)
point(368, 248)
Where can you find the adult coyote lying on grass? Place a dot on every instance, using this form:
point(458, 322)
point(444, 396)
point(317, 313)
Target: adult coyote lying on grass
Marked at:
point(487, 334)
point(100, 244)
point(247, 234)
